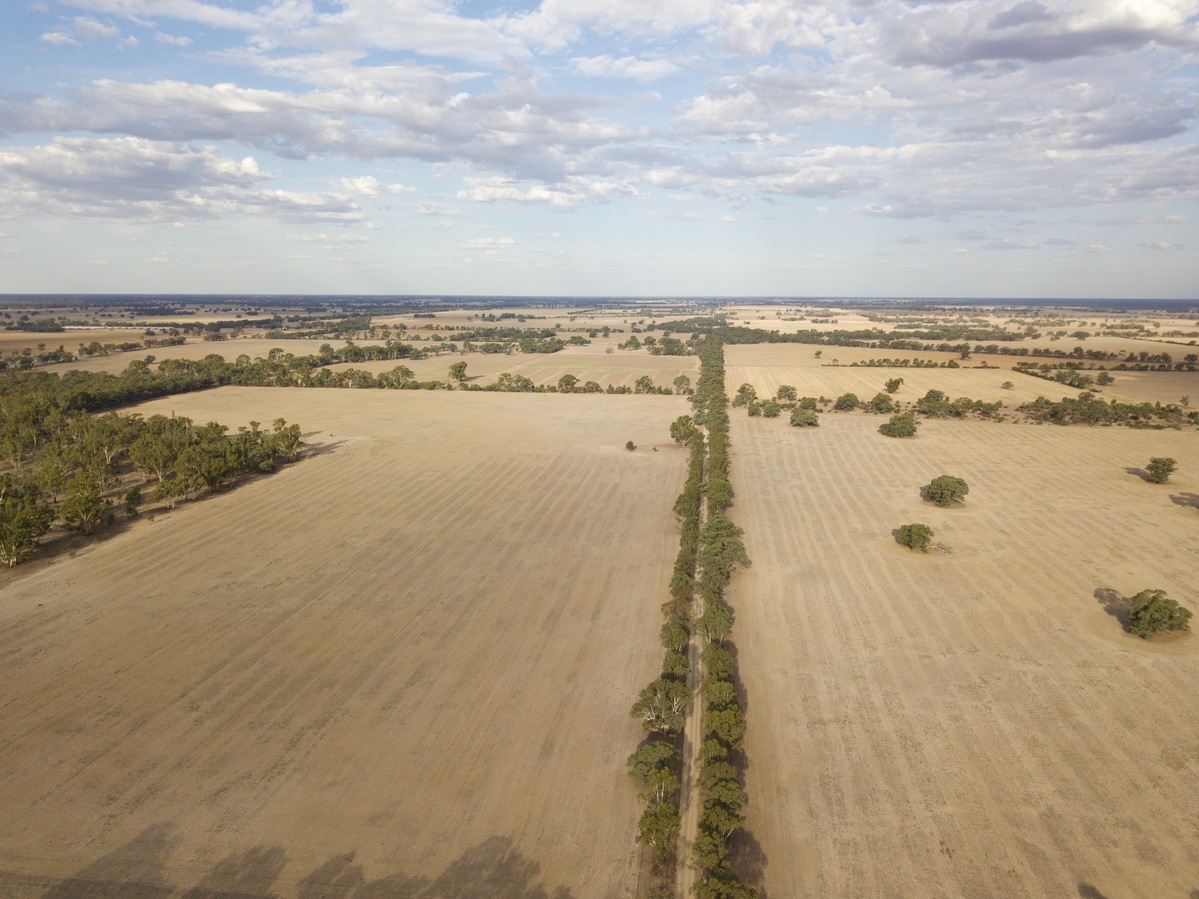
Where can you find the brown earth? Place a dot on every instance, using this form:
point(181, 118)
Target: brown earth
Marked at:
point(975, 721)
point(401, 667)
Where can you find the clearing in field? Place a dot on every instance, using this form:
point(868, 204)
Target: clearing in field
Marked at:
point(401, 667)
point(973, 721)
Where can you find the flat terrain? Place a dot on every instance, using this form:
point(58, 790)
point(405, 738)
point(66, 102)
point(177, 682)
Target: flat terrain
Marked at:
point(401, 667)
point(971, 722)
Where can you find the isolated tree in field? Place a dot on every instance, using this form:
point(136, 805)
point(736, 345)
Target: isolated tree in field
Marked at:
point(745, 395)
point(1160, 468)
point(1151, 612)
point(25, 517)
point(630, 446)
point(881, 404)
point(786, 393)
point(846, 402)
point(893, 384)
point(903, 425)
point(567, 383)
point(1007, 385)
point(915, 536)
point(946, 490)
point(804, 418)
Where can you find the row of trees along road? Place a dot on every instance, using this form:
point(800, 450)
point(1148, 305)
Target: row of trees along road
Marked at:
point(709, 551)
point(69, 466)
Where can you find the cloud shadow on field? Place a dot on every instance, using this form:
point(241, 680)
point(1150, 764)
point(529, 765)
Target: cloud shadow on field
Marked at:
point(1115, 605)
point(137, 870)
point(1186, 500)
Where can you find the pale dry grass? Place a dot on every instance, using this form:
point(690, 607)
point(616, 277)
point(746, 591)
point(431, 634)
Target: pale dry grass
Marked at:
point(971, 722)
point(409, 656)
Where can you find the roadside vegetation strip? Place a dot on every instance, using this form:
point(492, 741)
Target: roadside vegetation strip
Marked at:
point(663, 705)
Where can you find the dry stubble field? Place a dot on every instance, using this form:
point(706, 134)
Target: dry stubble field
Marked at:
point(401, 667)
point(972, 722)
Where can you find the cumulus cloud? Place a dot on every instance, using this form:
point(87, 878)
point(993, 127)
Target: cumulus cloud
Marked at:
point(625, 67)
point(363, 186)
point(133, 178)
point(178, 40)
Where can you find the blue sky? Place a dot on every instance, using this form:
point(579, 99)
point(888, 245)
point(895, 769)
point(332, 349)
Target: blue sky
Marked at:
point(580, 147)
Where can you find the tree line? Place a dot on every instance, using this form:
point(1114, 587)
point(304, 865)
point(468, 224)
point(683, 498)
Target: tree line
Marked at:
point(66, 465)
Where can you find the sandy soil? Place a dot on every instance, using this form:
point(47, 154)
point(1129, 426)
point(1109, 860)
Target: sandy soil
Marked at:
point(972, 722)
point(399, 668)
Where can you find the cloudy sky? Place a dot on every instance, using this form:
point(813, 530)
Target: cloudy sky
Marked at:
point(615, 147)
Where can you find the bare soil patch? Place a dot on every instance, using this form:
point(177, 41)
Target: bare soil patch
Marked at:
point(401, 667)
point(976, 722)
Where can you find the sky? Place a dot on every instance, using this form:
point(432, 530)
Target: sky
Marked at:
point(950, 148)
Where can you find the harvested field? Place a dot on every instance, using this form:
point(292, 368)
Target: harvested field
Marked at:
point(400, 667)
point(971, 722)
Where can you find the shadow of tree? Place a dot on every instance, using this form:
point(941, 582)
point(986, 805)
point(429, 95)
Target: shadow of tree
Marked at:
point(1115, 605)
point(494, 869)
point(1086, 891)
point(1141, 473)
point(1187, 500)
point(748, 860)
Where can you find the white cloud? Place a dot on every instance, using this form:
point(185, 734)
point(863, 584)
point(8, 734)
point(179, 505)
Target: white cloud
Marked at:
point(87, 27)
point(400, 189)
point(363, 186)
point(625, 67)
point(58, 38)
point(178, 40)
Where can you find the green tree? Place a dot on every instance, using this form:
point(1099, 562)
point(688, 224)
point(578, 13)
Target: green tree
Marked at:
point(1160, 468)
point(915, 536)
point(893, 384)
point(946, 490)
point(786, 393)
point(1151, 612)
point(683, 430)
point(86, 511)
point(682, 385)
point(745, 395)
point(846, 402)
point(658, 828)
point(25, 517)
point(650, 757)
point(630, 446)
point(662, 706)
point(771, 409)
point(567, 383)
point(644, 384)
point(458, 372)
point(804, 418)
point(902, 425)
point(882, 403)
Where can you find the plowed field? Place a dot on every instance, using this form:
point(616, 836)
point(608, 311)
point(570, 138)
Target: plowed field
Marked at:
point(974, 721)
point(401, 667)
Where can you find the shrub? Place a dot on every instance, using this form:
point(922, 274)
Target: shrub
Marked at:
point(881, 403)
point(846, 402)
point(893, 384)
point(946, 490)
point(903, 425)
point(630, 446)
point(804, 418)
point(915, 536)
point(1151, 611)
point(771, 409)
point(1160, 468)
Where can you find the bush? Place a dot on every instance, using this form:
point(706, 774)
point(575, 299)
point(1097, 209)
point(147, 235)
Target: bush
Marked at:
point(805, 418)
point(846, 402)
point(1151, 611)
point(904, 425)
point(893, 384)
point(946, 490)
point(915, 536)
point(630, 446)
point(771, 409)
point(881, 403)
point(1160, 468)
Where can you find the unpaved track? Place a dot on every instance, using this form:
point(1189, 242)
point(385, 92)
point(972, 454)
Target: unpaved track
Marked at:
point(408, 660)
point(970, 723)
